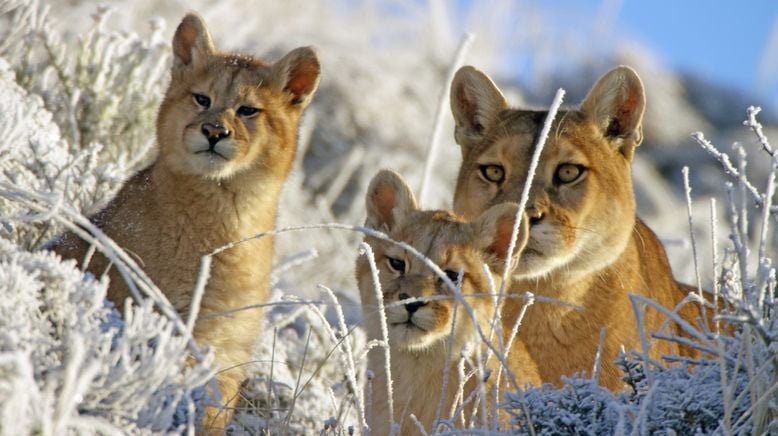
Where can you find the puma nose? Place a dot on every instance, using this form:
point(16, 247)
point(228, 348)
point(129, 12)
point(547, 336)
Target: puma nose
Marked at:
point(411, 307)
point(214, 133)
point(535, 216)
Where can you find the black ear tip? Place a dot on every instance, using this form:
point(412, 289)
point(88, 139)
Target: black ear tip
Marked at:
point(305, 53)
point(192, 19)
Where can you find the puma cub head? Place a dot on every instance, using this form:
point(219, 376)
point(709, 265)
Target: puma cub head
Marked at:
point(419, 302)
point(581, 205)
point(225, 114)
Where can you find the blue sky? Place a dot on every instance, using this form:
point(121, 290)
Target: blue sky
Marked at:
point(731, 42)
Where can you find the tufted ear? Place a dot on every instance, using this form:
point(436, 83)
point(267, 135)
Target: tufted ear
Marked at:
point(475, 103)
point(616, 105)
point(494, 229)
point(191, 43)
point(388, 201)
point(298, 74)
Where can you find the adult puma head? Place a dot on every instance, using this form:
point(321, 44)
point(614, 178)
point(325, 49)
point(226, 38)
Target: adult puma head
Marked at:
point(581, 205)
point(585, 245)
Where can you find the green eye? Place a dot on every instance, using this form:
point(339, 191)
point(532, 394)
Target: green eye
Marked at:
point(568, 173)
point(202, 100)
point(493, 173)
point(246, 111)
point(396, 264)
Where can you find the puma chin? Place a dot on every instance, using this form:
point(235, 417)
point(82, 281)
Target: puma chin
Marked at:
point(420, 330)
point(553, 247)
point(218, 161)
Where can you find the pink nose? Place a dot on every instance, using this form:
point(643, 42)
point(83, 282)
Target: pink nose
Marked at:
point(214, 133)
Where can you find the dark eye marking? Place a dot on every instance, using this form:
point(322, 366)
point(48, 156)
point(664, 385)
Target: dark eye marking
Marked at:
point(202, 100)
point(247, 111)
point(396, 264)
point(452, 275)
point(568, 173)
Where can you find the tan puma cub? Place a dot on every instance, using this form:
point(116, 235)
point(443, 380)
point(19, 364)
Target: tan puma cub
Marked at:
point(419, 330)
point(586, 245)
point(227, 132)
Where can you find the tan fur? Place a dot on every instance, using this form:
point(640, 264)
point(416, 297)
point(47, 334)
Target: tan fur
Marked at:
point(586, 246)
point(419, 350)
point(192, 201)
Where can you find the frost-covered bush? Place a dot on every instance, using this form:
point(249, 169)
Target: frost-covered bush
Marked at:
point(35, 157)
point(301, 380)
point(580, 407)
point(77, 118)
point(676, 400)
point(102, 88)
point(75, 121)
point(69, 362)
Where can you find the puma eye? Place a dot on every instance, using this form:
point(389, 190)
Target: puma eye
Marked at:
point(568, 173)
point(452, 275)
point(247, 111)
point(396, 264)
point(202, 100)
point(493, 173)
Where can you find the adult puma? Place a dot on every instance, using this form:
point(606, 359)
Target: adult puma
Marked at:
point(586, 245)
point(227, 133)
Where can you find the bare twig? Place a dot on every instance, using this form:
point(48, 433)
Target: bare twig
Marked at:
point(442, 110)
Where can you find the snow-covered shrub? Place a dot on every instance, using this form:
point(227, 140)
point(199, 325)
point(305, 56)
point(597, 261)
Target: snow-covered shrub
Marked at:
point(75, 122)
point(69, 362)
point(35, 157)
point(77, 119)
point(103, 88)
point(677, 401)
point(580, 407)
point(301, 380)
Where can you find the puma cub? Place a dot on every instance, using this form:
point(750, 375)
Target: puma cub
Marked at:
point(586, 246)
point(227, 132)
point(419, 329)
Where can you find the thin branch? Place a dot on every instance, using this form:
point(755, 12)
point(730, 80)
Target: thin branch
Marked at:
point(432, 151)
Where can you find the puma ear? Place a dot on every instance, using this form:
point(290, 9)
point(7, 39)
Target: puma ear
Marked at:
point(298, 74)
point(616, 104)
point(191, 43)
point(494, 229)
point(388, 201)
point(475, 103)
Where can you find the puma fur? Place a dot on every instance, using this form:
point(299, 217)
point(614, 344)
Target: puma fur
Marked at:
point(227, 132)
point(419, 329)
point(586, 246)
